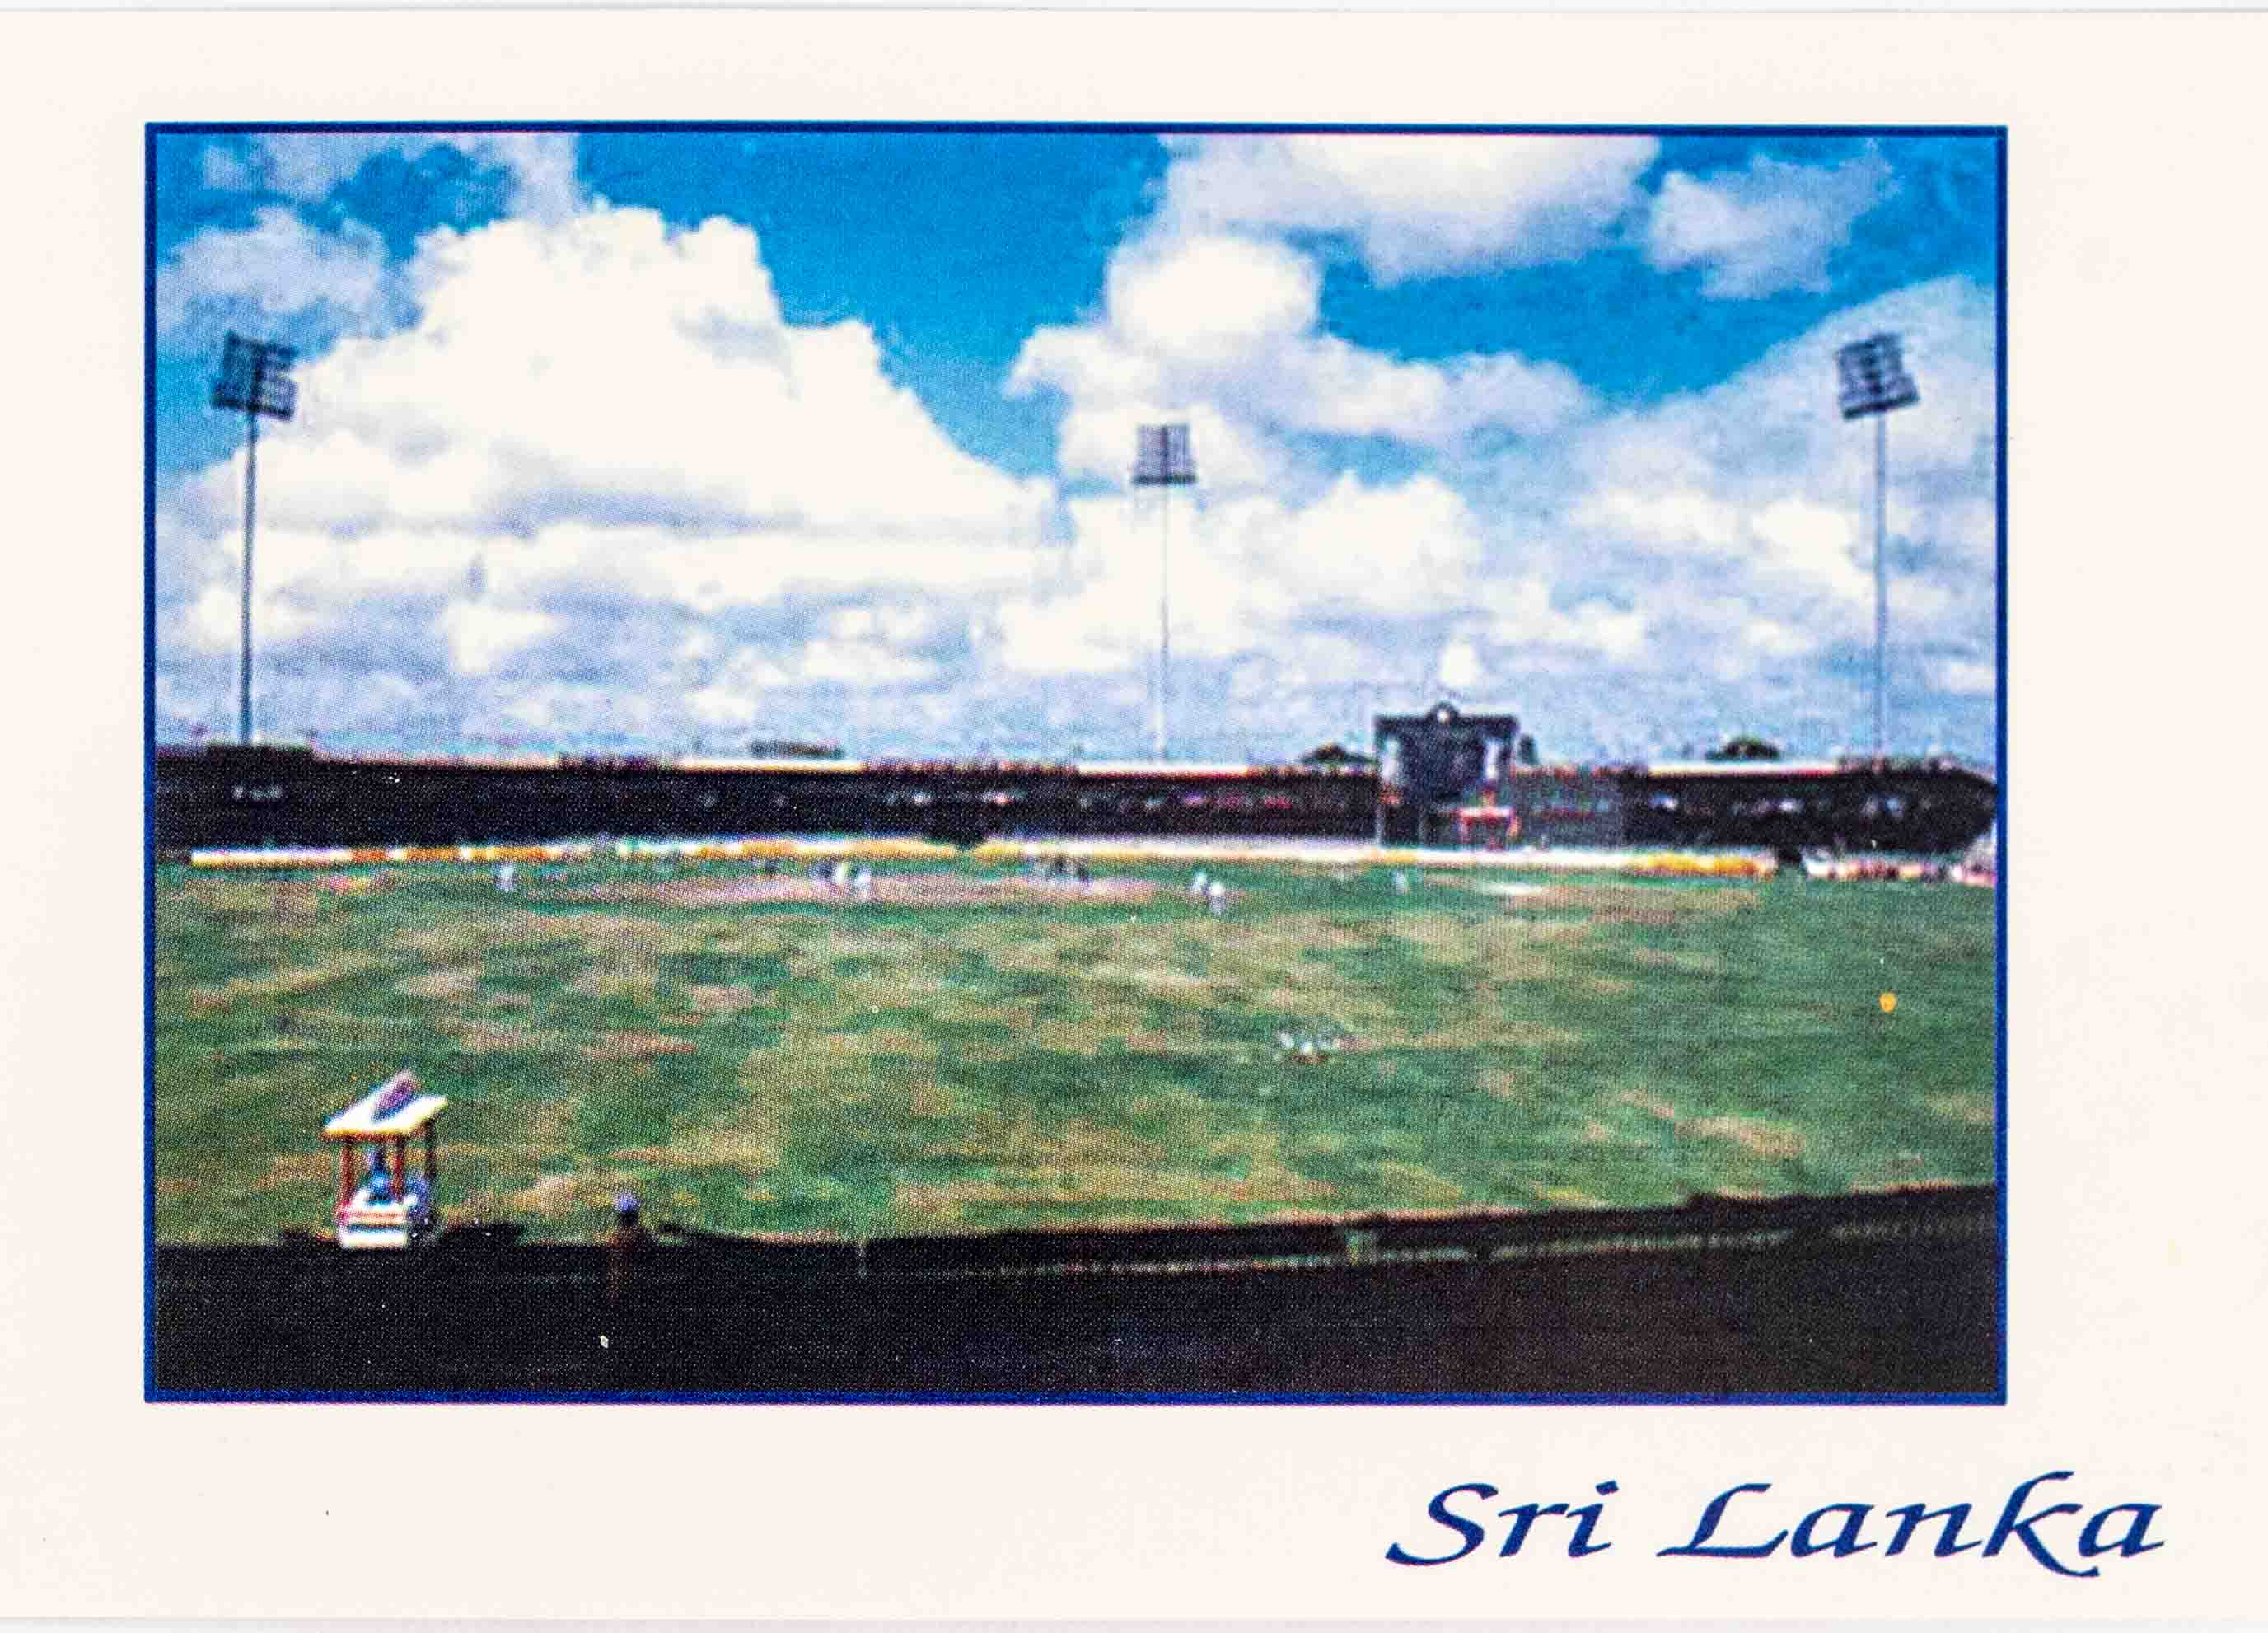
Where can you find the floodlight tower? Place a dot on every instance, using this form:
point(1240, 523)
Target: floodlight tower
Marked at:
point(255, 376)
point(1162, 460)
point(1874, 382)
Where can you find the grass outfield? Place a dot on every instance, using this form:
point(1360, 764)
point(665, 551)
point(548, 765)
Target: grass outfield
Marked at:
point(975, 1050)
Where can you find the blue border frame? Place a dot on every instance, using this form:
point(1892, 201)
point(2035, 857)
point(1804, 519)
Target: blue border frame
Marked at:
point(2000, 766)
point(150, 1393)
point(149, 765)
point(785, 1397)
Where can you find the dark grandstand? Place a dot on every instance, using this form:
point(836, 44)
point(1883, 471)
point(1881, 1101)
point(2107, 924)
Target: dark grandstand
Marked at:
point(1441, 778)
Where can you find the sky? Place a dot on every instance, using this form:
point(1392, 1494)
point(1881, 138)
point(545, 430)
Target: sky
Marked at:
point(670, 441)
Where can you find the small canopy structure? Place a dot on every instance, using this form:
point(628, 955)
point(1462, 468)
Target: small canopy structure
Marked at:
point(391, 1116)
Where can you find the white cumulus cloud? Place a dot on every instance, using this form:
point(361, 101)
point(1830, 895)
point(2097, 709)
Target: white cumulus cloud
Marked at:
point(1767, 228)
point(479, 636)
point(598, 432)
point(1460, 668)
point(1630, 581)
point(1969, 676)
point(1210, 301)
point(1724, 538)
point(1226, 333)
point(538, 166)
point(1417, 205)
point(1248, 574)
point(277, 266)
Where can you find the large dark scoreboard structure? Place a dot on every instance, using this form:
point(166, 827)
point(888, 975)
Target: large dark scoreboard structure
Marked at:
point(1442, 777)
point(1435, 766)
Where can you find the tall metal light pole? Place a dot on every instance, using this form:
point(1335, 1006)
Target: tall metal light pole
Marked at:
point(1162, 460)
point(255, 376)
point(1874, 382)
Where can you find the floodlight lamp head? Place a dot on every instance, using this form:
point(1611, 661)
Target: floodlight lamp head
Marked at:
point(256, 377)
point(1162, 457)
point(1874, 377)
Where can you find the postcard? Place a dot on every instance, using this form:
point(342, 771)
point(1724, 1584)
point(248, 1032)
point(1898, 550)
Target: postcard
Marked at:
point(944, 805)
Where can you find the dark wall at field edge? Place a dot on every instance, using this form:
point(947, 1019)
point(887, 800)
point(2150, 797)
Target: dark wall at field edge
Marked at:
point(1886, 1295)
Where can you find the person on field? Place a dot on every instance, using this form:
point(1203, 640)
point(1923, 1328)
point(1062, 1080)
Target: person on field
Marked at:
point(623, 1320)
point(628, 1243)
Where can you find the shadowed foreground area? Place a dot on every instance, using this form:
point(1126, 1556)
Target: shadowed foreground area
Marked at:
point(1878, 1296)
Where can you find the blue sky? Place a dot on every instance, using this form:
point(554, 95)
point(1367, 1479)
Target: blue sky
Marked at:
point(675, 440)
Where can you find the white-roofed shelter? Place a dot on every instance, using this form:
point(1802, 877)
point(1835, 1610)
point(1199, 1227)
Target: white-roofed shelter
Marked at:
point(390, 1208)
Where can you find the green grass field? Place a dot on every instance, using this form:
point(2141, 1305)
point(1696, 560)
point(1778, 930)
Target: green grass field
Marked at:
point(1041, 1058)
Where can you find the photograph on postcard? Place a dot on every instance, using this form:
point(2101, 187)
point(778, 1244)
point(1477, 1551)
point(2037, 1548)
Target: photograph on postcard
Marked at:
point(1074, 763)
